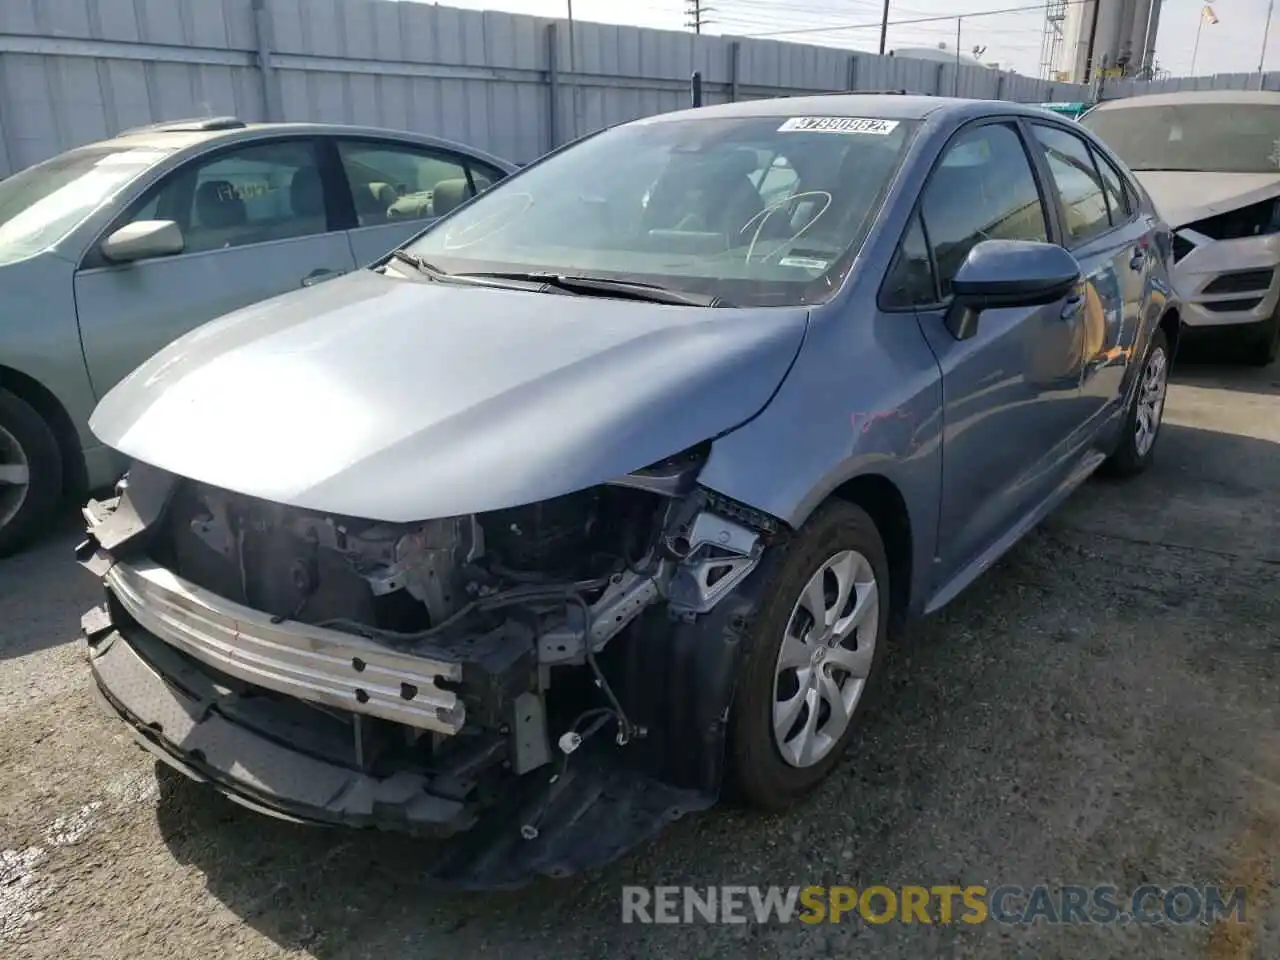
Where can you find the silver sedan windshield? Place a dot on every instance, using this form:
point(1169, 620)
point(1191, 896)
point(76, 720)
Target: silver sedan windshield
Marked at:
point(42, 204)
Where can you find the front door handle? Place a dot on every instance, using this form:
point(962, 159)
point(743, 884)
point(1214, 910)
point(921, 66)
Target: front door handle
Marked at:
point(1138, 259)
point(319, 275)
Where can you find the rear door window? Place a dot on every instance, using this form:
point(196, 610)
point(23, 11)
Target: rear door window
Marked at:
point(399, 181)
point(1079, 184)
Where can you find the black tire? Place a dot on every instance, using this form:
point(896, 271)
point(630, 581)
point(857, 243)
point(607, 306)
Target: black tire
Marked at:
point(1264, 350)
point(760, 776)
point(23, 426)
point(1127, 460)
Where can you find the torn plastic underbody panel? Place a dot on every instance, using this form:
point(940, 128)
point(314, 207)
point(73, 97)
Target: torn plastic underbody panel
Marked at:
point(540, 688)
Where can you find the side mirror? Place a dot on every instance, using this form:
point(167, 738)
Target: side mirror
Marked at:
point(1008, 273)
point(142, 240)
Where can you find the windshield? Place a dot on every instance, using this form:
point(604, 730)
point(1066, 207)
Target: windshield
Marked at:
point(1211, 137)
point(754, 210)
point(42, 204)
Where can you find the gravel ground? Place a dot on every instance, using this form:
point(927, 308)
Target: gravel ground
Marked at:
point(1102, 708)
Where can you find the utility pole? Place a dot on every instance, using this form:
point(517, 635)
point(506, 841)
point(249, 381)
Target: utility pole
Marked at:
point(696, 15)
point(884, 26)
point(1266, 31)
point(573, 69)
point(955, 89)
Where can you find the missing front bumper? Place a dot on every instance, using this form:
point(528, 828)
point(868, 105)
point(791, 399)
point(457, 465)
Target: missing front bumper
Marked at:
point(176, 717)
point(585, 817)
point(314, 664)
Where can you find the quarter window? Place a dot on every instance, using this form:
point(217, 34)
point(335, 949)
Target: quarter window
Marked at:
point(982, 189)
point(910, 279)
point(392, 182)
point(1079, 185)
point(254, 194)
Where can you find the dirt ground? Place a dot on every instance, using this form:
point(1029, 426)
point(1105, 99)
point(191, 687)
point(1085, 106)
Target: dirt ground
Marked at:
point(1103, 707)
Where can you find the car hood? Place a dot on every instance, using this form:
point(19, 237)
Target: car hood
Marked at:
point(1184, 197)
point(400, 400)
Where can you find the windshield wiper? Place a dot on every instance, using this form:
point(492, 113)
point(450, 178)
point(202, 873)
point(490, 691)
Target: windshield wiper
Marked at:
point(604, 286)
point(424, 267)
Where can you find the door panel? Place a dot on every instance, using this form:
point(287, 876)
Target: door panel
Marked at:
point(1011, 392)
point(255, 224)
point(1135, 236)
point(1010, 410)
point(1103, 241)
point(130, 312)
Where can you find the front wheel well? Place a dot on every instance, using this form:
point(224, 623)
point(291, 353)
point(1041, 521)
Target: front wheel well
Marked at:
point(884, 503)
point(37, 396)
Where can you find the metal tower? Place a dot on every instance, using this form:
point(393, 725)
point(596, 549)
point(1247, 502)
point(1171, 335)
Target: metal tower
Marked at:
point(1051, 43)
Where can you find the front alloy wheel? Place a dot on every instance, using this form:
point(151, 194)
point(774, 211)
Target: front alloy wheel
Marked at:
point(813, 651)
point(825, 658)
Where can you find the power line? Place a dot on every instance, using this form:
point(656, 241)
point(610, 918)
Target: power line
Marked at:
point(880, 24)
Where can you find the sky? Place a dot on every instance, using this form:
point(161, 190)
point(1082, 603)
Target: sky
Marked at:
point(1012, 40)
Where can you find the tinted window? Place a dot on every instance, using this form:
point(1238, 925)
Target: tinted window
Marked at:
point(757, 210)
point(254, 194)
point(910, 279)
point(1219, 137)
point(982, 189)
point(392, 182)
point(1117, 197)
point(1079, 185)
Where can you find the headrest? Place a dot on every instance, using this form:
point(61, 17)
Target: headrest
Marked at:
point(449, 195)
point(218, 205)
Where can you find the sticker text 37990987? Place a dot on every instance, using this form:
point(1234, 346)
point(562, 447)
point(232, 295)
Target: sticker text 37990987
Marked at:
point(864, 125)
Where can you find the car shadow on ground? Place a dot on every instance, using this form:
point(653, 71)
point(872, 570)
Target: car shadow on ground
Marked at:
point(36, 587)
point(1213, 366)
point(1060, 719)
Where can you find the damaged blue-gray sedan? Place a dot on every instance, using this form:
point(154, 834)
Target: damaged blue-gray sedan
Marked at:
point(603, 494)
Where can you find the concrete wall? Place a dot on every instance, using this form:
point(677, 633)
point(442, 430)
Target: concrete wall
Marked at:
point(73, 71)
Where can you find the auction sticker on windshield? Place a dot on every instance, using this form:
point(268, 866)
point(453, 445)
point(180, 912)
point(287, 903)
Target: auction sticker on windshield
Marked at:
point(870, 125)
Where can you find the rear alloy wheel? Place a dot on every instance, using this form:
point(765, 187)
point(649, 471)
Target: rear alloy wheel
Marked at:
point(1146, 412)
point(30, 472)
point(815, 649)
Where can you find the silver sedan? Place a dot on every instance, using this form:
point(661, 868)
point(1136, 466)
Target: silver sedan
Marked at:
point(110, 251)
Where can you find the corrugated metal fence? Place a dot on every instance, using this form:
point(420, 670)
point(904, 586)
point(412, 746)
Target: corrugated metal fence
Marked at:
point(1114, 89)
point(73, 71)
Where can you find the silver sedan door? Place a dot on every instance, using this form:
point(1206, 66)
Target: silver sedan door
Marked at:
point(254, 222)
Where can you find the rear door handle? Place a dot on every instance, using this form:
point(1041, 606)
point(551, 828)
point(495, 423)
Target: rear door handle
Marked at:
point(319, 275)
point(1138, 259)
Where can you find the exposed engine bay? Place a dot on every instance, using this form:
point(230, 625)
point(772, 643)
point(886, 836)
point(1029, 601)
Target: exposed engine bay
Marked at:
point(479, 647)
point(1253, 220)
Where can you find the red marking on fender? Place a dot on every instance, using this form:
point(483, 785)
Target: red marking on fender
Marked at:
point(864, 421)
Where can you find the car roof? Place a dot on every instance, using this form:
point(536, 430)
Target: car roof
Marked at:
point(1228, 97)
point(884, 106)
point(182, 135)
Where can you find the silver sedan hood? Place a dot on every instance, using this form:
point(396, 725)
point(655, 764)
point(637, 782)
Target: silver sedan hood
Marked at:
point(1184, 197)
point(401, 400)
